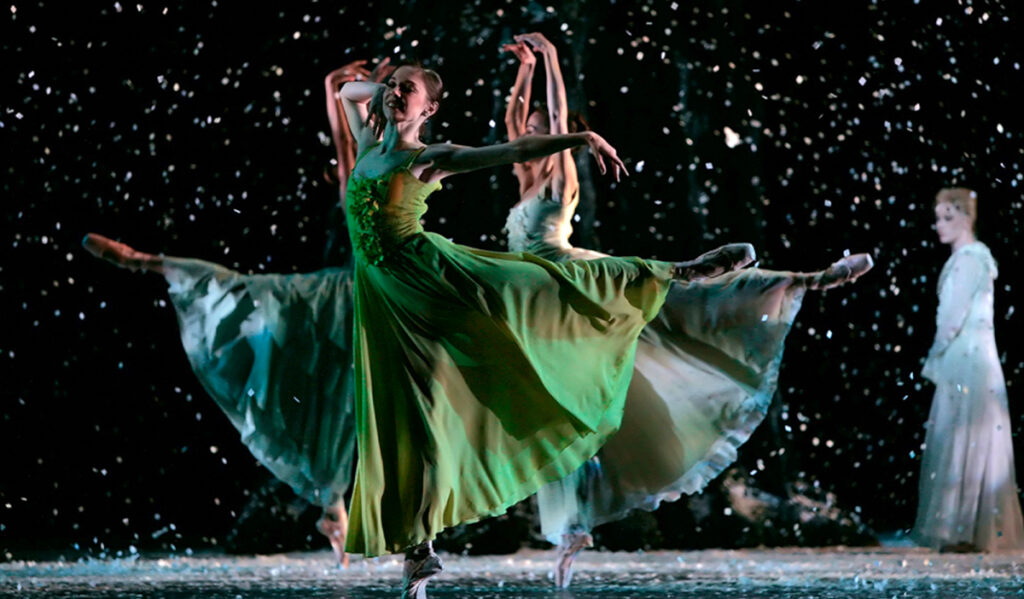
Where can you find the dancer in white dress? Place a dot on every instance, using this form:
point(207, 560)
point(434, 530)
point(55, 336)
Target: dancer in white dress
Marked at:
point(705, 369)
point(968, 492)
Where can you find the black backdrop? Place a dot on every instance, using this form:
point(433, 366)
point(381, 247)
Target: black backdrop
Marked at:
point(198, 129)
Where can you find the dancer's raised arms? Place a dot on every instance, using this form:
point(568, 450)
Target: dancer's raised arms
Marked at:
point(397, 111)
point(518, 110)
point(564, 180)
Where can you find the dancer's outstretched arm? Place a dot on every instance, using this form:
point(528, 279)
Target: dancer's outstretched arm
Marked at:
point(518, 110)
point(564, 179)
point(448, 159)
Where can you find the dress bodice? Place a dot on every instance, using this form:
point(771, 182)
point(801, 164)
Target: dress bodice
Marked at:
point(384, 211)
point(538, 223)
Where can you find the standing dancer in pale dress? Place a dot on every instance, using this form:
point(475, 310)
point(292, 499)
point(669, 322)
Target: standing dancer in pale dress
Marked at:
point(968, 490)
point(706, 368)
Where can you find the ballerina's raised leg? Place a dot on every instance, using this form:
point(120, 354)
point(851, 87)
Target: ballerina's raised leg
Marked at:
point(333, 523)
point(122, 255)
point(845, 270)
point(729, 257)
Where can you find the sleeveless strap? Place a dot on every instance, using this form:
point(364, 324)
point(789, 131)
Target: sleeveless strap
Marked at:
point(412, 157)
point(405, 163)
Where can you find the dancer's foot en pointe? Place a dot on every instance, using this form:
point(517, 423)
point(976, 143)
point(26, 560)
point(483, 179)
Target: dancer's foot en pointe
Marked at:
point(421, 564)
point(846, 270)
point(333, 524)
point(571, 545)
point(121, 254)
point(717, 262)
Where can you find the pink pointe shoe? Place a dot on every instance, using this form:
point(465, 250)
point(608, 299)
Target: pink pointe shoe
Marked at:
point(335, 531)
point(843, 271)
point(718, 261)
point(571, 545)
point(120, 254)
point(421, 564)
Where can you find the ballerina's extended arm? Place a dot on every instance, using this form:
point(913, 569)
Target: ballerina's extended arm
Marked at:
point(448, 159)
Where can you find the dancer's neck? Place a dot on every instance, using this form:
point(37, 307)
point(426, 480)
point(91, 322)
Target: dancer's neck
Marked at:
point(963, 240)
point(404, 136)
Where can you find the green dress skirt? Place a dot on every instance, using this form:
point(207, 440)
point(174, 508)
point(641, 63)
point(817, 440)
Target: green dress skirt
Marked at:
point(480, 376)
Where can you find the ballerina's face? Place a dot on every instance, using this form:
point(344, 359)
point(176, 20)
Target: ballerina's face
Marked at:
point(950, 222)
point(536, 124)
point(407, 97)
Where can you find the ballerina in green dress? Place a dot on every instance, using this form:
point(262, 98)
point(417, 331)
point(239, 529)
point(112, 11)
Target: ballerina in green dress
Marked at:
point(480, 375)
point(705, 370)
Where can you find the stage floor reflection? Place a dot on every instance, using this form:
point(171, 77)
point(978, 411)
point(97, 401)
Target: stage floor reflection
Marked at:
point(776, 573)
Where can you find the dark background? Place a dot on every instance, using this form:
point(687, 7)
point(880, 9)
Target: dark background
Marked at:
point(198, 129)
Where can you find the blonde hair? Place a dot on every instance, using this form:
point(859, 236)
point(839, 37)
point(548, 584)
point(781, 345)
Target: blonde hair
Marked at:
point(963, 199)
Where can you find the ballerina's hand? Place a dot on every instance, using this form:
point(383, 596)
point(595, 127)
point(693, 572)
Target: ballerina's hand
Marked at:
point(536, 40)
point(522, 52)
point(375, 109)
point(601, 149)
point(353, 71)
point(382, 71)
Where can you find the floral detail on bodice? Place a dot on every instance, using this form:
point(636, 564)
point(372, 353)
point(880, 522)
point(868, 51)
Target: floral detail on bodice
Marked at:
point(364, 198)
point(385, 211)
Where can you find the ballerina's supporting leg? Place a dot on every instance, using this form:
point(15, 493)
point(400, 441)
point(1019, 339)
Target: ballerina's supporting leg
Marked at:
point(421, 564)
point(717, 262)
point(122, 255)
point(568, 549)
point(333, 524)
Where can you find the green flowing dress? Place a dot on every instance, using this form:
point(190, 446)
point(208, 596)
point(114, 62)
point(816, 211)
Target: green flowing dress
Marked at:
point(479, 376)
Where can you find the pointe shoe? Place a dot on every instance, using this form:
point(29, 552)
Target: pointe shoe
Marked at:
point(846, 270)
point(335, 532)
point(571, 545)
point(421, 564)
point(718, 261)
point(118, 253)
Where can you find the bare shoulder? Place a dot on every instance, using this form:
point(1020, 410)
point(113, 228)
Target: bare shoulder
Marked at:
point(430, 165)
point(435, 152)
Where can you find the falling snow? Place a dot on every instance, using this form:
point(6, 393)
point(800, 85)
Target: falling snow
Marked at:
point(198, 129)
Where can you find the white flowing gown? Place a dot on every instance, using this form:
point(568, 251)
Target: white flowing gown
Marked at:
point(968, 490)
